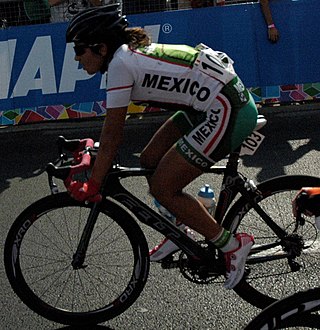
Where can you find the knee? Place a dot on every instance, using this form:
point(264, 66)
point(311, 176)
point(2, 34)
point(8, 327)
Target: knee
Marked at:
point(144, 159)
point(155, 190)
point(147, 159)
point(160, 190)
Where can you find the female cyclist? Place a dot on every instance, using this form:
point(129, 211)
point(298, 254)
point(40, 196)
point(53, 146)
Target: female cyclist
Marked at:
point(214, 114)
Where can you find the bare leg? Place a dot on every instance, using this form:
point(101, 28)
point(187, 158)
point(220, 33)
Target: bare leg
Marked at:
point(167, 135)
point(173, 174)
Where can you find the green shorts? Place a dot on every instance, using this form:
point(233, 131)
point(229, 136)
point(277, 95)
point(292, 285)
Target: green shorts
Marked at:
point(210, 136)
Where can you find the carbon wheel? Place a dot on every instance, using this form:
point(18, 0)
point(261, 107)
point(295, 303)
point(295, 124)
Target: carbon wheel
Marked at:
point(39, 251)
point(272, 279)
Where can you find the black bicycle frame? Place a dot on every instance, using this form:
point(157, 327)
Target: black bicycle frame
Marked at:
point(232, 184)
point(147, 215)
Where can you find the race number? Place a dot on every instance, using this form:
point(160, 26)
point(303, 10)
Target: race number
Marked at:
point(216, 64)
point(251, 143)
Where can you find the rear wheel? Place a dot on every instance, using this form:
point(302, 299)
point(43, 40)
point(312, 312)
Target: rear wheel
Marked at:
point(290, 312)
point(39, 251)
point(270, 280)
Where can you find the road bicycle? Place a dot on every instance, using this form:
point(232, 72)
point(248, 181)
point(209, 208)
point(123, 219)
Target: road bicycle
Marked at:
point(300, 309)
point(85, 263)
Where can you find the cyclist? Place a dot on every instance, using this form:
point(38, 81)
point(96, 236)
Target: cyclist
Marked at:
point(214, 114)
point(307, 201)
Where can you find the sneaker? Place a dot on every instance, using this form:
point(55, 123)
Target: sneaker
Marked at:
point(167, 247)
point(236, 259)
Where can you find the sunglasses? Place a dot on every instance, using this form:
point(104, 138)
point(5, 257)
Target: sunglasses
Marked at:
point(80, 49)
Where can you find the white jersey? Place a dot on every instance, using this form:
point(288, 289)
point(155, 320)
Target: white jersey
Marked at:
point(170, 76)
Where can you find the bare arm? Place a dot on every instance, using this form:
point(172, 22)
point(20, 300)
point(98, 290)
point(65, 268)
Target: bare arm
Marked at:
point(110, 140)
point(273, 33)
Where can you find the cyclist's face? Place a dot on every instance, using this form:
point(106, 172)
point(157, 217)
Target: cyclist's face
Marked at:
point(90, 61)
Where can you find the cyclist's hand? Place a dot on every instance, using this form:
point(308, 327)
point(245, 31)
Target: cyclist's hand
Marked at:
point(85, 191)
point(303, 202)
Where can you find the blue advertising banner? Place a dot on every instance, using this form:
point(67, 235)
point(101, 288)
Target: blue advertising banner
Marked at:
point(37, 67)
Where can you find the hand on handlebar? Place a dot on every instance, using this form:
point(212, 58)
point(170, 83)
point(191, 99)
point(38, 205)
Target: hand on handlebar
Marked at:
point(85, 191)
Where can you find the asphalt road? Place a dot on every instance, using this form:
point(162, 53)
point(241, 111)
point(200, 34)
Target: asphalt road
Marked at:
point(169, 301)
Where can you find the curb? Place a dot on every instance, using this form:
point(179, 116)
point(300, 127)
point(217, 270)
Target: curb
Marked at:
point(288, 109)
point(144, 119)
point(92, 123)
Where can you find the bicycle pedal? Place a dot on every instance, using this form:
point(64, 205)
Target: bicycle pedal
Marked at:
point(294, 265)
point(169, 263)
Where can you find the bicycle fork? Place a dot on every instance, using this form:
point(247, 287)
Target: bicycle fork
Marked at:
point(80, 254)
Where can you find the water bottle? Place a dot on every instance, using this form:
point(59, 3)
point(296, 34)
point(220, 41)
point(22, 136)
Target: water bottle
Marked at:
point(207, 199)
point(317, 221)
point(164, 212)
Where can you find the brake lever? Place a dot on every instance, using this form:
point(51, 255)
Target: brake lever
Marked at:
point(53, 186)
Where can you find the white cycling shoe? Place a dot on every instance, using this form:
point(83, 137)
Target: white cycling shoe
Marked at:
point(167, 247)
point(236, 260)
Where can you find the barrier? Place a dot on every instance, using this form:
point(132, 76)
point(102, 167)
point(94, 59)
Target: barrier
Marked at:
point(41, 81)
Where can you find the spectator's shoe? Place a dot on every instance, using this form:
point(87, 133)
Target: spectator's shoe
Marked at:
point(236, 259)
point(167, 247)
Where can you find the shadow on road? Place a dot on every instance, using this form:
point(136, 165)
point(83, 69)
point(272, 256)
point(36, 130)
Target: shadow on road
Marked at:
point(93, 327)
point(287, 139)
point(25, 153)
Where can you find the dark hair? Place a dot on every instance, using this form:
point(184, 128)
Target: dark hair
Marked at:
point(137, 37)
point(133, 37)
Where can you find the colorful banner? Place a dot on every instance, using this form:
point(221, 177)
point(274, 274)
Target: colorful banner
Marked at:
point(40, 80)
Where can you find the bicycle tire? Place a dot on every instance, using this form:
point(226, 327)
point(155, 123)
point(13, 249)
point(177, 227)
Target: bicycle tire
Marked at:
point(269, 281)
point(38, 254)
point(291, 311)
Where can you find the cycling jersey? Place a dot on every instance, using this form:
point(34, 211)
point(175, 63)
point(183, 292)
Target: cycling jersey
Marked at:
point(199, 81)
point(165, 74)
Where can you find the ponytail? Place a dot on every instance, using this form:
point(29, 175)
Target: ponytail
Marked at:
point(137, 37)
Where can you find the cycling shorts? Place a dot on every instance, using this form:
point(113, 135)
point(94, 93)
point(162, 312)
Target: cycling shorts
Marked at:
point(210, 136)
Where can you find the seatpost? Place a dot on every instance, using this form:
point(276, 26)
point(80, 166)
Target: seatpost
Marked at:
point(233, 160)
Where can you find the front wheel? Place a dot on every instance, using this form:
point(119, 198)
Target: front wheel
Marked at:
point(274, 276)
point(38, 260)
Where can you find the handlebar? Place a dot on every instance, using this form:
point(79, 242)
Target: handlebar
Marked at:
point(67, 166)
